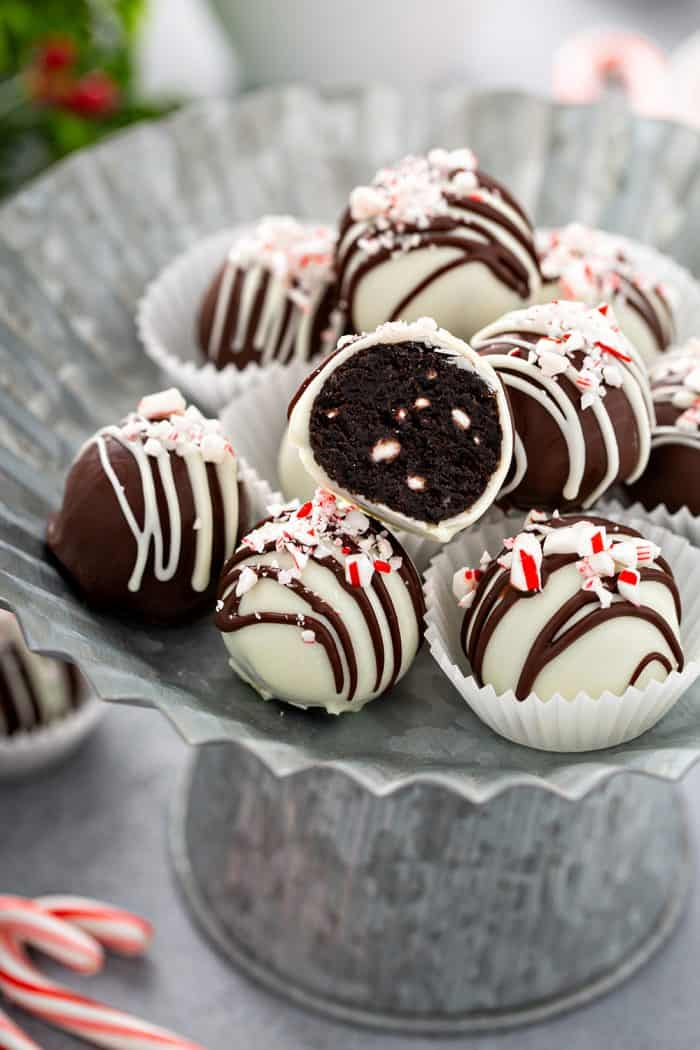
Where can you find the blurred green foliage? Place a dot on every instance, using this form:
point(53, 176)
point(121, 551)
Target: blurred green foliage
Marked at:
point(66, 79)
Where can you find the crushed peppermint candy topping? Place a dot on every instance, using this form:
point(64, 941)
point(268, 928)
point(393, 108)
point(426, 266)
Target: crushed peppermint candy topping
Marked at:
point(583, 344)
point(405, 199)
point(300, 255)
point(325, 527)
point(609, 565)
point(590, 265)
point(164, 423)
point(246, 581)
point(162, 405)
point(675, 380)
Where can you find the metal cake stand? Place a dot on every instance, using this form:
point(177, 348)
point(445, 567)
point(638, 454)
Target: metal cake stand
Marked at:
point(404, 867)
point(421, 911)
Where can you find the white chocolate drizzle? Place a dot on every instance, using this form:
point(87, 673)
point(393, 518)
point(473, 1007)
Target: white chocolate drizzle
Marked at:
point(153, 440)
point(589, 265)
point(675, 381)
point(584, 346)
point(282, 272)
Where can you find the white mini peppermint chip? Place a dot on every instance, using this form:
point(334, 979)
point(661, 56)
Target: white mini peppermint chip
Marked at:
point(385, 450)
point(308, 637)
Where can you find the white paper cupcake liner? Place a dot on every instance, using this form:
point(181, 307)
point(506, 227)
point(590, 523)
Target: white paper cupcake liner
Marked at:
point(585, 723)
point(28, 753)
point(680, 522)
point(256, 421)
point(166, 320)
point(258, 491)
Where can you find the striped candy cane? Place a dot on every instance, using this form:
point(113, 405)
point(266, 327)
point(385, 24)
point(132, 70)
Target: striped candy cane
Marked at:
point(114, 928)
point(24, 985)
point(12, 1037)
point(28, 921)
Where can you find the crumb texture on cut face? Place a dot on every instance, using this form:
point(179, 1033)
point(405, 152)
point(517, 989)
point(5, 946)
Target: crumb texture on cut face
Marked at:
point(409, 427)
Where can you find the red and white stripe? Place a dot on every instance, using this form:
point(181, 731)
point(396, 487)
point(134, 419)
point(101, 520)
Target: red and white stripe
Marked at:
point(74, 943)
point(115, 928)
point(12, 1037)
point(27, 921)
point(22, 983)
point(525, 572)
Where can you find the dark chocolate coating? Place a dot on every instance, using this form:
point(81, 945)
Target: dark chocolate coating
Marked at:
point(672, 476)
point(547, 455)
point(372, 397)
point(91, 540)
point(250, 352)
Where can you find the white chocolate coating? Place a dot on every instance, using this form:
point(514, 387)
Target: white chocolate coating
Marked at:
point(615, 634)
point(347, 634)
point(590, 265)
point(34, 690)
point(567, 331)
point(413, 245)
point(423, 331)
point(295, 480)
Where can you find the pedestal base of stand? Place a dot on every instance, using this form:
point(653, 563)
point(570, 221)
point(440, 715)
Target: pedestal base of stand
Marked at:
point(421, 911)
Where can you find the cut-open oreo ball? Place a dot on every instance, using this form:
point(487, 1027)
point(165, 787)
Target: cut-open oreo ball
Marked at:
point(410, 424)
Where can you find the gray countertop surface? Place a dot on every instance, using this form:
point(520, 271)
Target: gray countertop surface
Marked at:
point(98, 826)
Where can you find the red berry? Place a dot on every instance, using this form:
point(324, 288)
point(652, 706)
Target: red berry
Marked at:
point(95, 95)
point(56, 53)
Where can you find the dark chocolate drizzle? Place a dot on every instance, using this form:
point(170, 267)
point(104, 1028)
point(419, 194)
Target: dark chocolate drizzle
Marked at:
point(489, 609)
point(441, 230)
point(650, 658)
point(228, 619)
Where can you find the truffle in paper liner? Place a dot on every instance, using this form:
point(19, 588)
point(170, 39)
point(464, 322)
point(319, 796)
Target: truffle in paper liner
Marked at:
point(684, 289)
point(167, 325)
point(584, 723)
point(257, 420)
point(26, 753)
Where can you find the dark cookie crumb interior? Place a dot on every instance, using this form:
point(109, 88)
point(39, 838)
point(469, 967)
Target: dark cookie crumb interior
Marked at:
point(403, 425)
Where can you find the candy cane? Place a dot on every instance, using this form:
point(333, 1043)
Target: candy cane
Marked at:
point(23, 984)
point(113, 927)
point(12, 1037)
point(28, 921)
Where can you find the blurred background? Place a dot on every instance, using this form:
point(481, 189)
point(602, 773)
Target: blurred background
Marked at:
point(72, 71)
